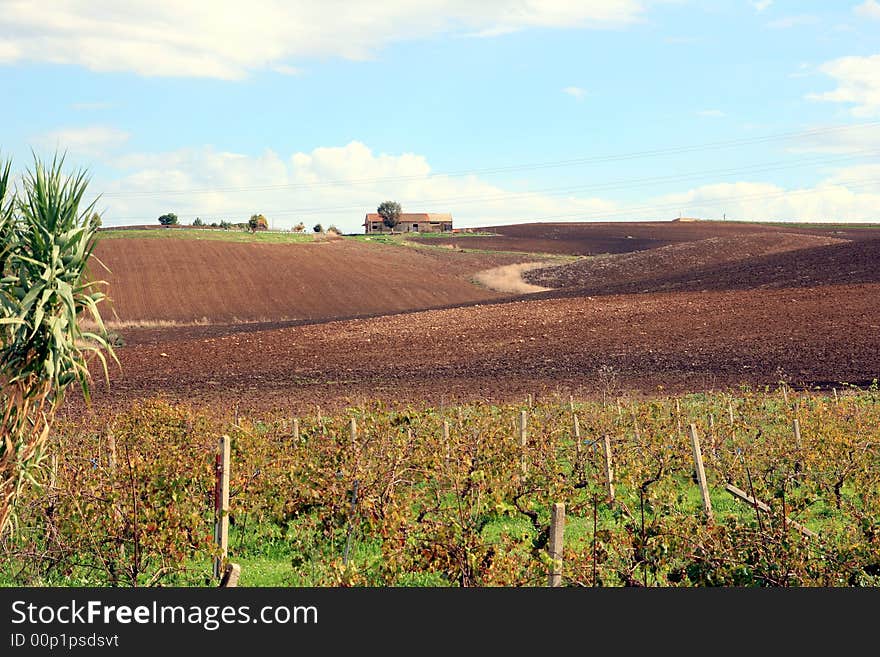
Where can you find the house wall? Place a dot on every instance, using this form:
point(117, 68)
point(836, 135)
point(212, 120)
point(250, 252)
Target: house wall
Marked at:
point(407, 227)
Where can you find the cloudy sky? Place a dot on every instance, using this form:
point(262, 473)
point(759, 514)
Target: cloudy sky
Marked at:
point(499, 111)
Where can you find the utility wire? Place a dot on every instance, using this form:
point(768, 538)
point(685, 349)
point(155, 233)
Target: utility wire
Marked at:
point(562, 191)
point(675, 150)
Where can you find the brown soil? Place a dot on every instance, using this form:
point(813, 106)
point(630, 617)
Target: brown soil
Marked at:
point(680, 341)
point(625, 237)
point(834, 264)
point(810, 316)
point(630, 271)
point(155, 282)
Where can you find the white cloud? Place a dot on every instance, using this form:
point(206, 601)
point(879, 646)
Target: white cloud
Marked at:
point(9, 51)
point(490, 32)
point(227, 39)
point(858, 80)
point(761, 5)
point(712, 113)
point(338, 185)
point(94, 140)
point(868, 9)
point(867, 176)
point(835, 200)
point(287, 70)
point(793, 21)
point(335, 185)
point(575, 92)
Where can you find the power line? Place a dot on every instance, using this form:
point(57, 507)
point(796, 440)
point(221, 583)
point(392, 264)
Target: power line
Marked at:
point(673, 206)
point(556, 191)
point(675, 150)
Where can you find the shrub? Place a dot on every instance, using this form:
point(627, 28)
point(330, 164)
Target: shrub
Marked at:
point(257, 222)
point(47, 243)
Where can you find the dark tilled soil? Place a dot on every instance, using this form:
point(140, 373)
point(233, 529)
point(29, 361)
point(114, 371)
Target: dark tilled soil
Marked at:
point(736, 307)
point(643, 343)
point(727, 267)
point(625, 237)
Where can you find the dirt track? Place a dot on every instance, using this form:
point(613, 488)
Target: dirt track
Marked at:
point(509, 278)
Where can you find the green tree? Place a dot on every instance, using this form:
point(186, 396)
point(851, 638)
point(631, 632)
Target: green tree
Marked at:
point(225, 225)
point(390, 213)
point(46, 243)
point(169, 219)
point(257, 222)
point(318, 228)
point(198, 222)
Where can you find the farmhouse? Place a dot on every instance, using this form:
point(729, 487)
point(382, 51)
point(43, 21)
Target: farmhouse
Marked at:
point(411, 222)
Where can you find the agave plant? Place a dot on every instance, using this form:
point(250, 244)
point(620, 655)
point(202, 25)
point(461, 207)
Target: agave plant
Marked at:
point(47, 243)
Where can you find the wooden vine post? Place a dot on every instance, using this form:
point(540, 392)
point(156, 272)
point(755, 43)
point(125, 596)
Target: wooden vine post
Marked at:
point(678, 417)
point(111, 453)
point(758, 504)
point(231, 575)
point(523, 441)
point(221, 506)
point(609, 467)
point(294, 429)
point(701, 473)
point(555, 548)
point(111, 463)
point(636, 431)
point(446, 441)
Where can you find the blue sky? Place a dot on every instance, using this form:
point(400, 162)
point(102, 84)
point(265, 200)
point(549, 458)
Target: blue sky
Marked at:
point(501, 111)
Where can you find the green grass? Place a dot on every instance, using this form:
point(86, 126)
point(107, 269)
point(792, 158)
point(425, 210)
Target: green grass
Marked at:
point(453, 236)
point(404, 240)
point(821, 226)
point(267, 237)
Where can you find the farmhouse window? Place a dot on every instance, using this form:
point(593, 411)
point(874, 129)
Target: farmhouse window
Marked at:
point(416, 227)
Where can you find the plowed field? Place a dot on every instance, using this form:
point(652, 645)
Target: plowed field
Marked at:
point(681, 341)
point(625, 237)
point(708, 265)
point(155, 282)
point(710, 314)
